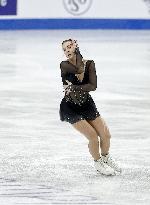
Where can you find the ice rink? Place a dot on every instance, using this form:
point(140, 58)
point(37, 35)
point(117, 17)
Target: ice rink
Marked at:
point(46, 161)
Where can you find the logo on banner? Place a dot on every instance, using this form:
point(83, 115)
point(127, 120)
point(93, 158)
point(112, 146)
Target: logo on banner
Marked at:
point(8, 7)
point(77, 7)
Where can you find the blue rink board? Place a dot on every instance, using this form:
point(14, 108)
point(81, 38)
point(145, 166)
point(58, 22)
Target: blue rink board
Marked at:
point(7, 24)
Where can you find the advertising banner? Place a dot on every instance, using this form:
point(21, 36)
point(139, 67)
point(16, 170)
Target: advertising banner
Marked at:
point(8, 7)
point(108, 9)
point(74, 14)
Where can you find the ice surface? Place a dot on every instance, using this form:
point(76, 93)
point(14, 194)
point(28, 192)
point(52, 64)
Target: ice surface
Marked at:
point(46, 161)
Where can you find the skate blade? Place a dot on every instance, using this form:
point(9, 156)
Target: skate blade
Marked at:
point(112, 174)
point(117, 173)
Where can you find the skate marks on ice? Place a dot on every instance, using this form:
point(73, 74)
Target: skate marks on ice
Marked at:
point(73, 180)
point(44, 181)
point(14, 193)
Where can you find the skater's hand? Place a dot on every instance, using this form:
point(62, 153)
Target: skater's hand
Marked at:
point(67, 87)
point(69, 83)
point(75, 44)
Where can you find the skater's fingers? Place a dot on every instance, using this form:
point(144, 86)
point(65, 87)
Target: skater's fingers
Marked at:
point(65, 86)
point(67, 91)
point(69, 83)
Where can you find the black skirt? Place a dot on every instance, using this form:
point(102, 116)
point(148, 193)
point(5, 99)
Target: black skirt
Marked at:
point(72, 113)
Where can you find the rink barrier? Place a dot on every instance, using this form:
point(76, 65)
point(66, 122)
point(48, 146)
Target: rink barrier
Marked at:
point(14, 24)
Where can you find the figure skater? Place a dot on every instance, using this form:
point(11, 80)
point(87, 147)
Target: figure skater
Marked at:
point(78, 108)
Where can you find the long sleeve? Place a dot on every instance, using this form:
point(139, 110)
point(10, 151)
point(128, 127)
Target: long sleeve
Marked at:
point(69, 68)
point(92, 84)
point(63, 75)
point(79, 91)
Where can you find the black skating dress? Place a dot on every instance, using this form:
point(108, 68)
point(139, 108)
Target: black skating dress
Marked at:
point(78, 104)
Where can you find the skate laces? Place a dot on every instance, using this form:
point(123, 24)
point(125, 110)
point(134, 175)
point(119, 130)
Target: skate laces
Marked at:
point(102, 162)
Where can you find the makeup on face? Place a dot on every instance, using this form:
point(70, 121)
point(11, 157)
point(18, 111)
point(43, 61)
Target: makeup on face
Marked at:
point(68, 49)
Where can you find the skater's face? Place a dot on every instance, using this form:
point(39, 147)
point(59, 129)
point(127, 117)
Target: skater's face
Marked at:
point(68, 48)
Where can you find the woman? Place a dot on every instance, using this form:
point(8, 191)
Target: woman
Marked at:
point(78, 108)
